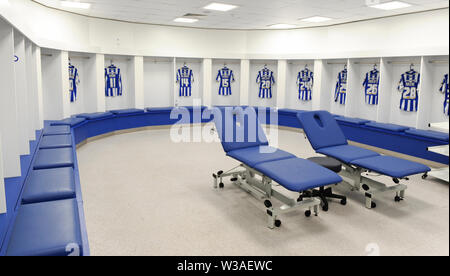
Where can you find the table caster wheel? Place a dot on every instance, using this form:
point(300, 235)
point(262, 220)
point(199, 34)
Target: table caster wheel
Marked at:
point(425, 176)
point(278, 223)
point(398, 199)
point(221, 185)
point(374, 205)
point(325, 208)
point(344, 202)
point(308, 214)
point(267, 203)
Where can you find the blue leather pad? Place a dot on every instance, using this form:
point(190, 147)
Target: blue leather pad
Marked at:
point(347, 153)
point(256, 155)
point(239, 128)
point(298, 175)
point(428, 134)
point(159, 109)
point(96, 116)
point(73, 121)
point(130, 111)
point(49, 185)
point(46, 229)
point(391, 166)
point(356, 121)
point(322, 129)
point(390, 127)
point(56, 141)
point(53, 158)
point(56, 130)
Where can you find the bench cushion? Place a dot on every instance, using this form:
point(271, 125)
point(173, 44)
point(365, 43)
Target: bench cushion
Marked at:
point(390, 127)
point(54, 158)
point(56, 141)
point(56, 130)
point(49, 185)
point(73, 121)
point(128, 111)
point(428, 134)
point(159, 109)
point(256, 155)
point(297, 174)
point(96, 116)
point(391, 166)
point(356, 121)
point(46, 229)
point(347, 153)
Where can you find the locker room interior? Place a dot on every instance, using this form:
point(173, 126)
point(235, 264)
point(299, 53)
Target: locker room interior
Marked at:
point(103, 169)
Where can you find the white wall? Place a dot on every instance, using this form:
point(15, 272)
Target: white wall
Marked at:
point(158, 82)
point(2, 182)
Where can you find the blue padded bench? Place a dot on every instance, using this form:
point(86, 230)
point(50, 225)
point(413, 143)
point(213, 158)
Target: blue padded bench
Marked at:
point(73, 121)
point(356, 121)
point(54, 158)
point(428, 134)
point(159, 109)
point(49, 185)
point(131, 111)
point(56, 130)
point(96, 116)
point(46, 229)
point(56, 141)
point(390, 127)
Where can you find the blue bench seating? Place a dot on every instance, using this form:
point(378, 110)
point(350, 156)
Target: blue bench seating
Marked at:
point(96, 116)
point(430, 134)
point(357, 121)
point(56, 141)
point(56, 130)
point(54, 158)
point(390, 127)
point(131, 111)
point(72, 121)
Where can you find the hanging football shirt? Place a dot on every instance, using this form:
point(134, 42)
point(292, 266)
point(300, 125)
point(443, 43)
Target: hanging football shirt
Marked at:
point(409, 87)
point(185, 77)
point(371, 86)
point(225, 77)
point(305, 82)
point(265, 80)
point(341, 88)
point(444, 90)
point(74, 81)
point(113, 81)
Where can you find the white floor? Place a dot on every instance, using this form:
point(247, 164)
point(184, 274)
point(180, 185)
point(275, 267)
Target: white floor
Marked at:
point(145, 195)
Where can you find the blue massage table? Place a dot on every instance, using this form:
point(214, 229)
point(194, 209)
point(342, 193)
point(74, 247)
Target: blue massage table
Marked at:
point(327, 138)
point(243, 139)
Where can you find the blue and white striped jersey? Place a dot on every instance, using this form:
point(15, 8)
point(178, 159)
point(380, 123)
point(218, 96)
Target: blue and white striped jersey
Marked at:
point(225, 77)
point(265, 80)
point(409, 87)
point(113, 81)
point(185, 77)
point(305, 83)
point(74, 81)
point(371, 86)
point(444, 90)
point(340, 94)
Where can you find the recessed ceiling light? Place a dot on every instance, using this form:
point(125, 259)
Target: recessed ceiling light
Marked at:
point(316, 19)
point(391, 5)
point(282, 26)
point(75, 5)
point(185, 20)
point(220, 7)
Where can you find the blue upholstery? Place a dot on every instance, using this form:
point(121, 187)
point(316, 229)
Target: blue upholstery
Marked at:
point(130, 111)
point(256, 155)
point(96, 116)
point(239, 128)
point(73, 121)
point(287, 111)
point(322, 129)
point(56, 130)
point(46, 229)
point(56, 141)
point(159, 109)
point(54, 158)
point(347, 153)
point(298, 175)
point(391, 166)
point(390, 127)
point(428, 134)
point(357, 121)
point(49, 185)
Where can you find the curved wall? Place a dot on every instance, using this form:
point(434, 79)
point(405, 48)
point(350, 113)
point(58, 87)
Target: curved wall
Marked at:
point(408, 35)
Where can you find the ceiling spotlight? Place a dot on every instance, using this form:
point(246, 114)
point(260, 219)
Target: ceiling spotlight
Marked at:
point(75, 5)
point(394, 5)
point(220, 7)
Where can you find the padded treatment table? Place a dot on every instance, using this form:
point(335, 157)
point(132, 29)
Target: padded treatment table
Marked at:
point(56, 141)
point(73, 121)
point(46, 229)
point(56, 130)
point(253, 156)
point(49, 185)
point(53, 158)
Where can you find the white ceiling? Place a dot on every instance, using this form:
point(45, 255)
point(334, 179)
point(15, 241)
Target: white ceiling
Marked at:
point(251, 14)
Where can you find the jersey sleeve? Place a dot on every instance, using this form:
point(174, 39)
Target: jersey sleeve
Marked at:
point(258, 78)
point(443, 85)
point(312, 79)
point(272, 78)
point(232, 77)
point(218, 76)
point(119, 75)
point(192, 76)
